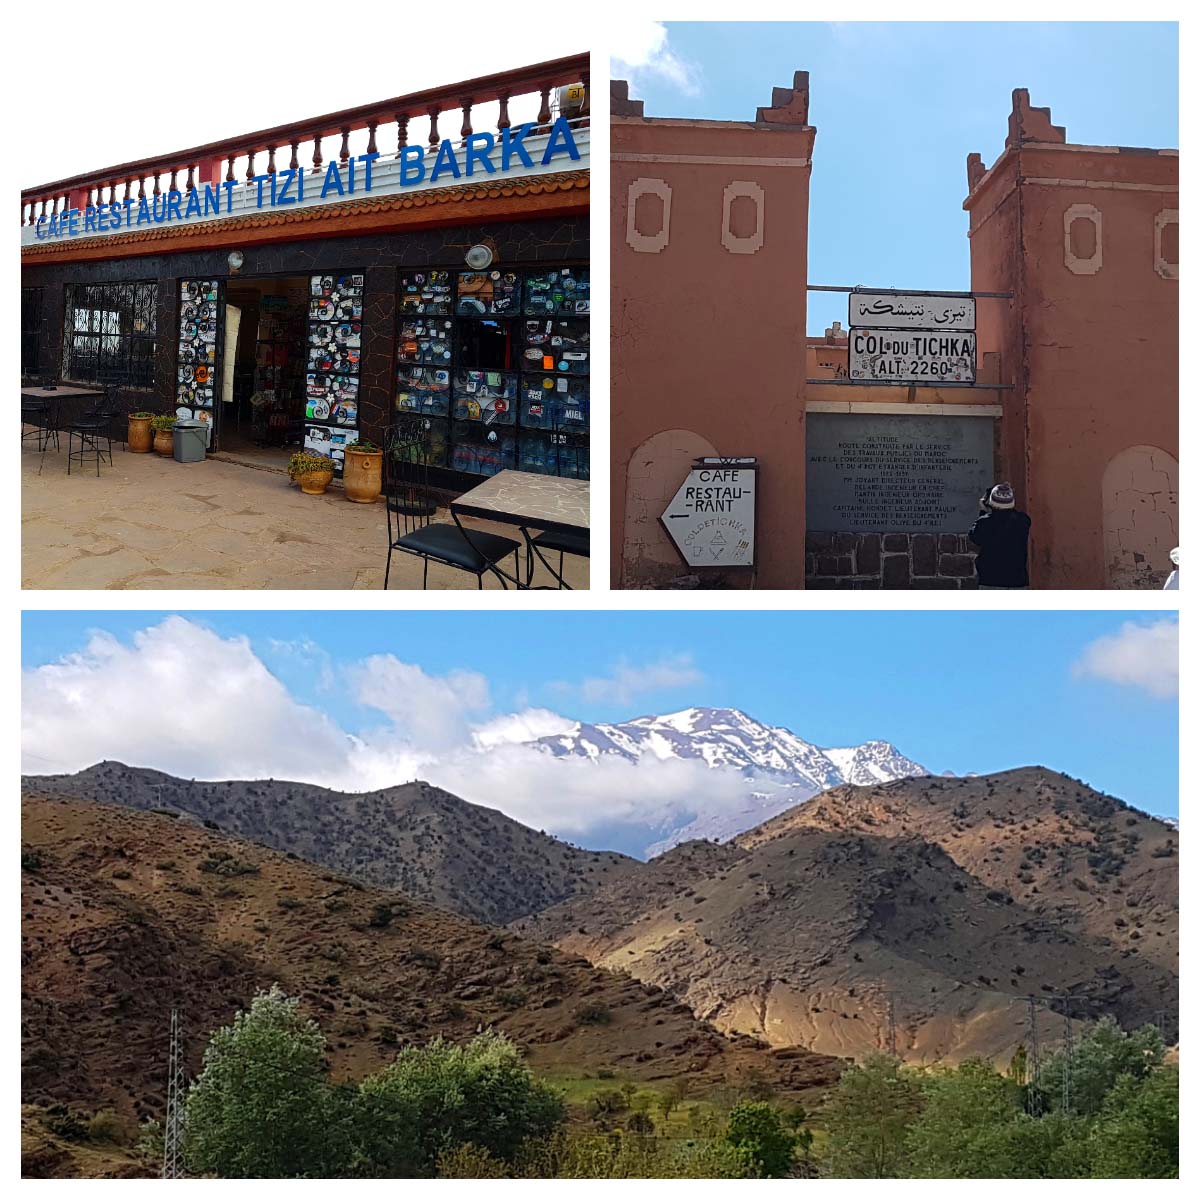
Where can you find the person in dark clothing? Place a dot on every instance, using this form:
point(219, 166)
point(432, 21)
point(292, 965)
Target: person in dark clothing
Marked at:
point(1002, 534)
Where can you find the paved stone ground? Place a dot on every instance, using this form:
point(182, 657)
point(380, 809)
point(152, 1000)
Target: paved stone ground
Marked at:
point(150, 522)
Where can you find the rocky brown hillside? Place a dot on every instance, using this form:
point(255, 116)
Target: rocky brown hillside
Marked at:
point(126, 915)
point(803, 930)
point(1088, 861)
point(415, 837)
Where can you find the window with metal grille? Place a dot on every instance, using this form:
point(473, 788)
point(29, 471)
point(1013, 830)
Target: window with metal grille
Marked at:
point(31, 331)
point(109, 333)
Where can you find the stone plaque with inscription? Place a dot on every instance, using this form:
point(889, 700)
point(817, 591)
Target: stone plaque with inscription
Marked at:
point(885, 473)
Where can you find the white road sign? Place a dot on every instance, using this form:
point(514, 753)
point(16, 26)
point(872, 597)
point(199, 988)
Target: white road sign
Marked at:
point(711, 517)
point(890, 310)
point(912, 356)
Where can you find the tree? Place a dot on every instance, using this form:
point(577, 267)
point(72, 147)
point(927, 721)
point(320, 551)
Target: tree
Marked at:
point(962, 1109)
point(434, 1098)
point(1137, 1133)
point(757, 1131)
point(868, 1117)
point(1101, 1056)
point(1018, 1067)
point(262, 1107)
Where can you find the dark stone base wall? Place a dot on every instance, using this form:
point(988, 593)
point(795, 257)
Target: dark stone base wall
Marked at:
point(889, 560)
point(381, 257)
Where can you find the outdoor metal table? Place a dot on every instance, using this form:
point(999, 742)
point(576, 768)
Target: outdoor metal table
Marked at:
point(56, 396)
point(529, 501)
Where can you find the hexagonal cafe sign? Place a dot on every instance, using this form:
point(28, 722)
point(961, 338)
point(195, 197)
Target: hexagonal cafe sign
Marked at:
point(711, 517)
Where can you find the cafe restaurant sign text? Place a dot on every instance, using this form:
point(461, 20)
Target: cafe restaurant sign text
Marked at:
point(516, 152)
point(711, 517)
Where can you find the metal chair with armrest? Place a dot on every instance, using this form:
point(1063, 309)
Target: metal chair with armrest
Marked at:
point(411, 507)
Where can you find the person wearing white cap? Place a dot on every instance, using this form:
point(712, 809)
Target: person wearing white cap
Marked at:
point(1002, 534)
point(1172, 584)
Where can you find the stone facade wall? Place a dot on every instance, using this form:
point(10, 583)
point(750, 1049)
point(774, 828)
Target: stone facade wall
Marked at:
point(888, 560)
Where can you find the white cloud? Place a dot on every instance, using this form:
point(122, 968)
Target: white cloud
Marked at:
point(180, 697)
point(641, 53)
point(1142, 655)
point(184, 699)
point(523, 726)
point(626, 681)
point(309, 657)
point(434, 711)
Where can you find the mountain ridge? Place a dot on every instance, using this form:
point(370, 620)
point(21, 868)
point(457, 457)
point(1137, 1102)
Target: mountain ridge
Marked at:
point(957, 898)
point(781, 768)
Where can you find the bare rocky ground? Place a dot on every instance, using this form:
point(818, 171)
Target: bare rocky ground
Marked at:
point(951, 901)
point(126, 915)
point(417, 838)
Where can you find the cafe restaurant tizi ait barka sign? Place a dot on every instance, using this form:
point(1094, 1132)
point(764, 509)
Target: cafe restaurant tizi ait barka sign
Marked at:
point(912, 338)
point(711, 517)
point(515, 152)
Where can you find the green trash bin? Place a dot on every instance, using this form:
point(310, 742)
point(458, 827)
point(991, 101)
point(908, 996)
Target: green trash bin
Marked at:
point(191, 440)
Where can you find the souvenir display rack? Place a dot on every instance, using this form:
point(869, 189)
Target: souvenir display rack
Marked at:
point(197, 361)
point(333, 351)
point(485, 418)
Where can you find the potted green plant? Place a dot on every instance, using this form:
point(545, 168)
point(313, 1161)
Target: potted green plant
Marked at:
point(362, 476)
point(164, 439)
point(313, 472)
point(140, 434)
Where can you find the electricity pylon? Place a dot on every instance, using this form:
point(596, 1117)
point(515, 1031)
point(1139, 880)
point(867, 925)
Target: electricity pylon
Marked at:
point(1033, 1097)
point(172, 1167)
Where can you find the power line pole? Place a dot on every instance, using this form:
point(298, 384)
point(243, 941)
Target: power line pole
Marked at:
point(1033, 1097)
point(1068, 1054)
point(176, 1086)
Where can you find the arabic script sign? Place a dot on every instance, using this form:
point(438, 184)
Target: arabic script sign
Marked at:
point(711, 517)
point(913, 310)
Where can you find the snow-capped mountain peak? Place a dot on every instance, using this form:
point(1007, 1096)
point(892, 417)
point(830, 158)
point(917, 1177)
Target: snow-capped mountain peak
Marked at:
point(781, 768)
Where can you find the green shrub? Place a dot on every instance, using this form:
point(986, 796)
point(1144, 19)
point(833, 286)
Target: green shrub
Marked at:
point(593, 1013)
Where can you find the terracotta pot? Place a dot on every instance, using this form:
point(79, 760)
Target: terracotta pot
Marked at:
point(314, 483)
point(164, 442)
point(140, 435)
point(362, 476)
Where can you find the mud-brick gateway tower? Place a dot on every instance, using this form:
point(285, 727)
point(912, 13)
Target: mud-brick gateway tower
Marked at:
point(1086, 239)
point(709, 268)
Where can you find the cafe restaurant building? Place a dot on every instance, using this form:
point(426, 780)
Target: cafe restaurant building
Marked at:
point(859, 466)
point(300, 285)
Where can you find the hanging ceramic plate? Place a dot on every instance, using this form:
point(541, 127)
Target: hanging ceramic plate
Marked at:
point(201, 374)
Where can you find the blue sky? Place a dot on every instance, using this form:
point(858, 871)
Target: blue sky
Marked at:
point(966, 692)
point(898, 107)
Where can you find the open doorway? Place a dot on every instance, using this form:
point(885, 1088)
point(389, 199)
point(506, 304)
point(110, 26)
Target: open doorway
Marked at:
point(263, 387)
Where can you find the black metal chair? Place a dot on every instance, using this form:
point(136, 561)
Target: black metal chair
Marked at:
point(411, 507)
point(94, 426)
point(117, 411)
point(571, 448)
point(38, 415)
